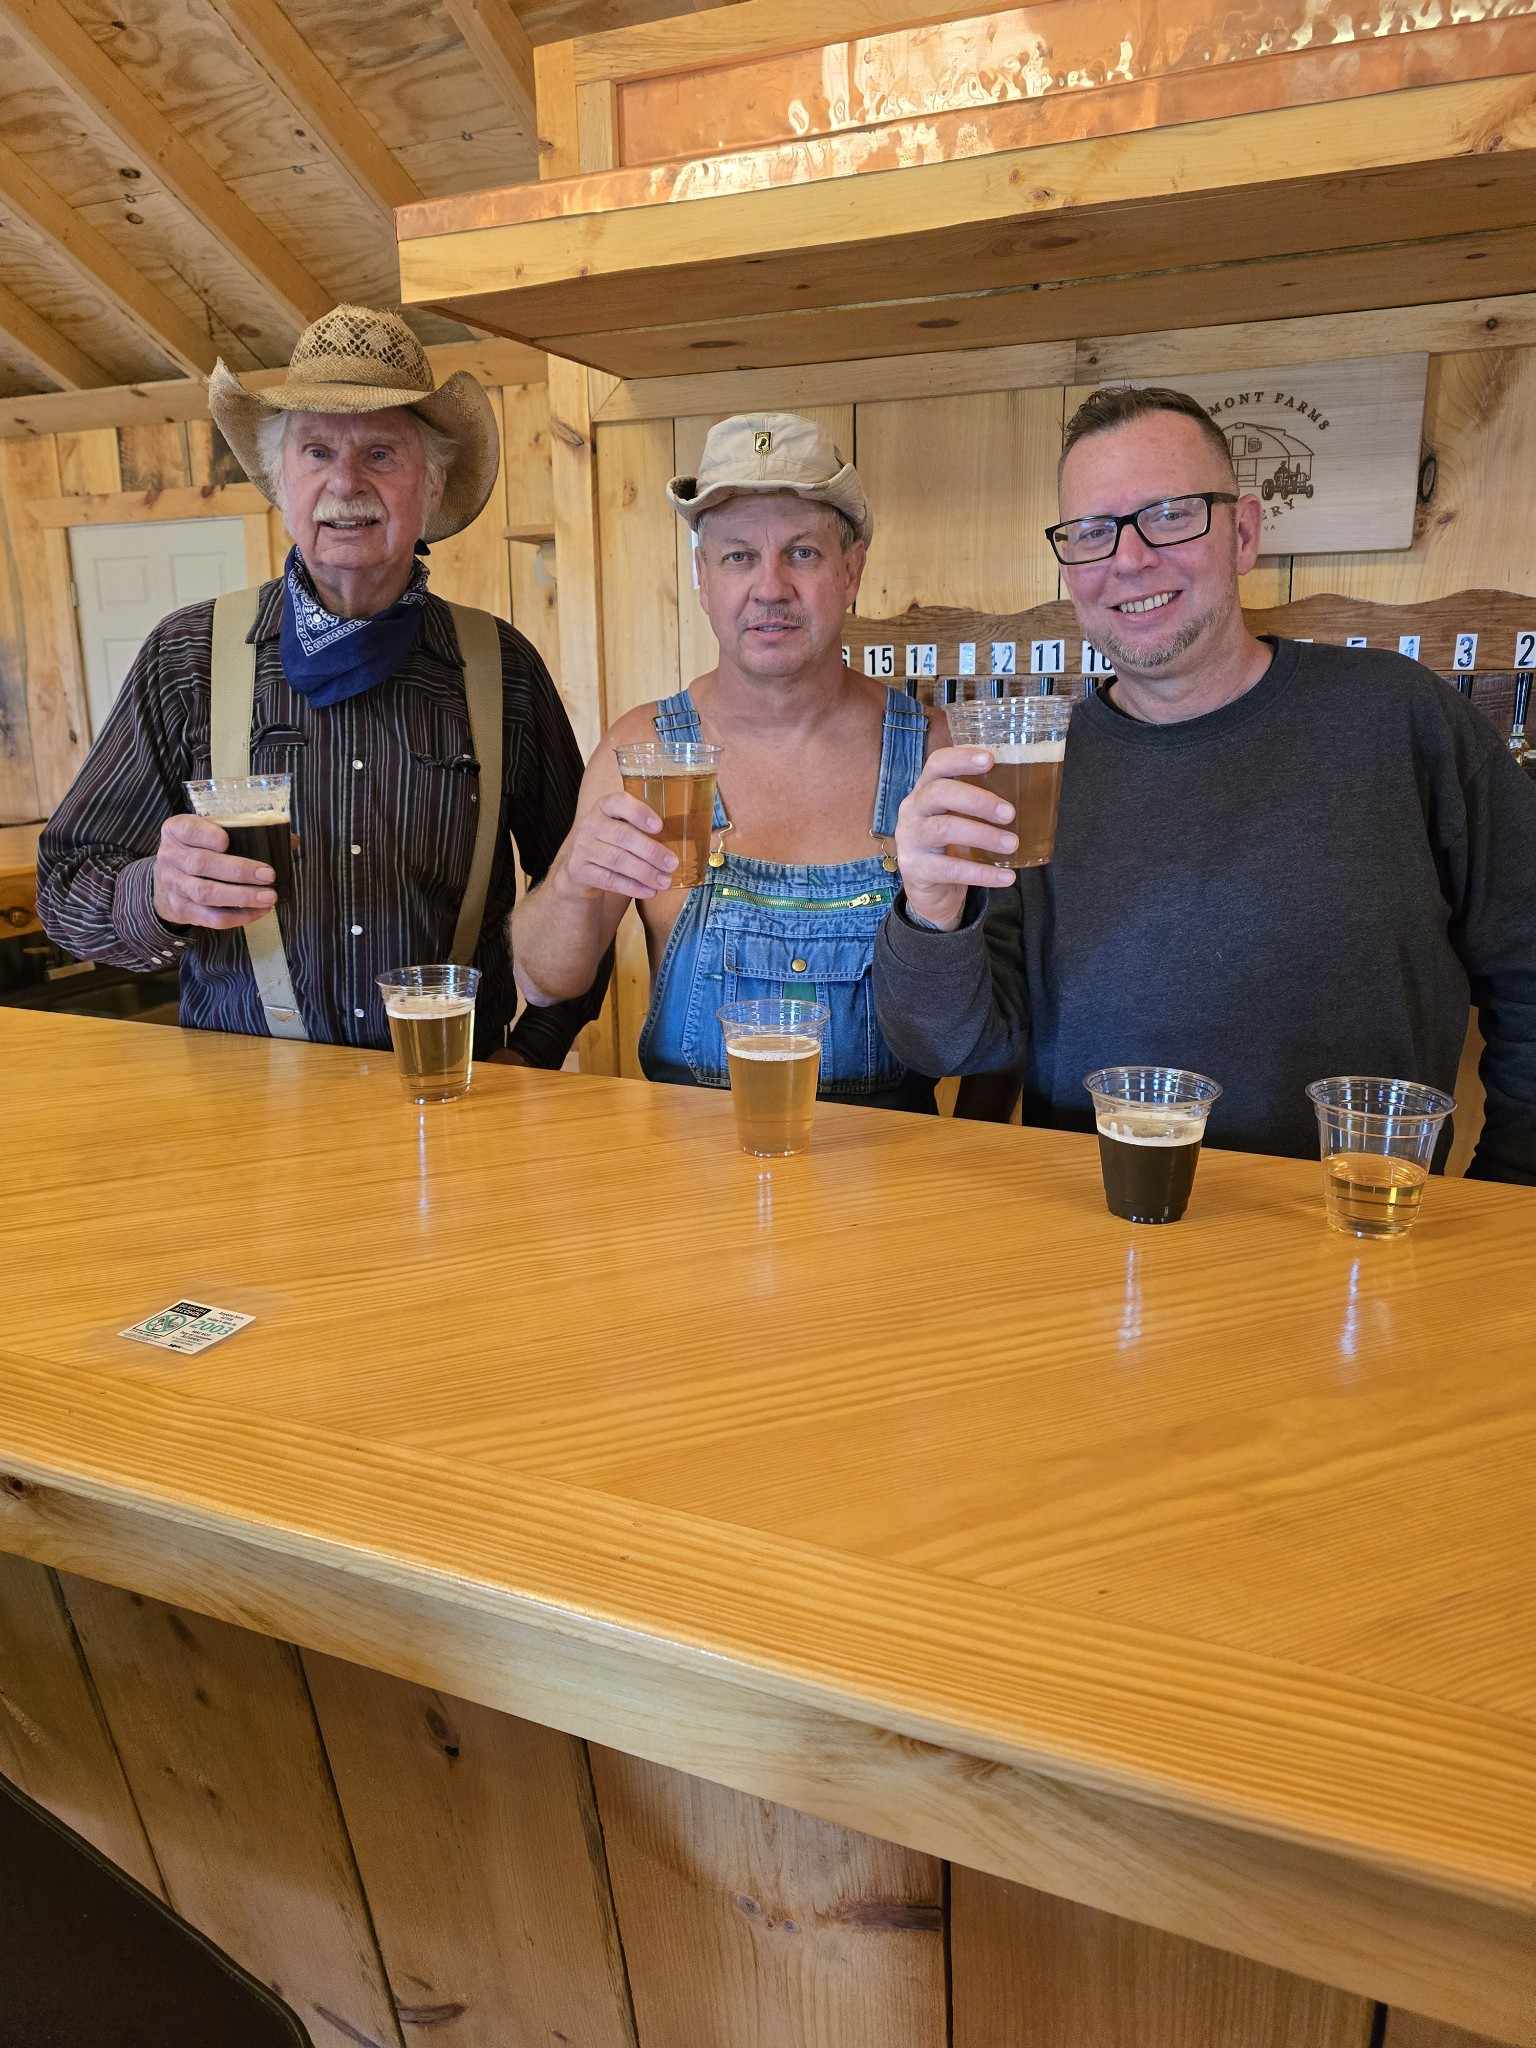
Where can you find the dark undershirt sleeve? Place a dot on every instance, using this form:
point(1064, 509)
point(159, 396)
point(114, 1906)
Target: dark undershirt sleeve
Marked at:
point(544, 781)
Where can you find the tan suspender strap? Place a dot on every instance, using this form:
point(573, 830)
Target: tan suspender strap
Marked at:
point(480, 645)
point(233, 696)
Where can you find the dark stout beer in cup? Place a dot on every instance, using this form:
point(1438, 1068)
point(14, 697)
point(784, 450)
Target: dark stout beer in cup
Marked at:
point(1150, 1122)
point(255, 811)
point(1148, 1165)
point(1027, 739)
point(676, 778)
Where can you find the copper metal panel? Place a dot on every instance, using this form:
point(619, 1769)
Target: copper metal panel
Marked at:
point(1298, 78)
point(1029, 53)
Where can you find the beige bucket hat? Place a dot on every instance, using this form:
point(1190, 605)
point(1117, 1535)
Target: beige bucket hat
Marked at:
point(352, 360)
point(771, 451)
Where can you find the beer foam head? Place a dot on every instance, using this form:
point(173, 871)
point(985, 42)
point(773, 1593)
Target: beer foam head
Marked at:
point(428, 1003)
point(777, 1046)
point(241, 821)
point(1025, 753)
point(1150, 1127)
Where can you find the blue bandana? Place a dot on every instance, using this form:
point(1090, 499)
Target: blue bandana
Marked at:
point(327, 659)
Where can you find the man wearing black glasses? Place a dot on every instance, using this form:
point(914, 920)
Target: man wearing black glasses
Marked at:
point(1274, 860)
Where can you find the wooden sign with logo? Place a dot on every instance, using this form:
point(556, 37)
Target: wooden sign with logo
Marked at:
point(1331, 451)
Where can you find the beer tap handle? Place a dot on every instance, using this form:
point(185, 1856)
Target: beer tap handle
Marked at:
point(1519, 746)
point(1464, 684)
point(1522, 702)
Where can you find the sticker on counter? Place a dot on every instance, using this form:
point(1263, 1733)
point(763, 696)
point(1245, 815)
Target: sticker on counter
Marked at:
point(187, 1326)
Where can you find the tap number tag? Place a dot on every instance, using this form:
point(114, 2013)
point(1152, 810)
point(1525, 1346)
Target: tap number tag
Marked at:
point(1095, 663)
point(922, 658)
point(966, 664)
point(1465, 656)
point(880, 661)
point(1408, 643)
point(1525, 650)
point(1047, 657)
point(1005, 657)
point(1357, 640)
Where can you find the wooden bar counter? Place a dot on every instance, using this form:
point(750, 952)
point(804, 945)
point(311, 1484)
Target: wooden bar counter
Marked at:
point(623, 1595)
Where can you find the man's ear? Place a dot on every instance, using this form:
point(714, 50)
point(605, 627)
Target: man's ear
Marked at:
point(1248, 517)
point(853, 563)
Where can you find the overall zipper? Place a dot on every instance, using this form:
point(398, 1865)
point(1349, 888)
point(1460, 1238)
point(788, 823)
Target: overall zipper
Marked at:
point(729, 893)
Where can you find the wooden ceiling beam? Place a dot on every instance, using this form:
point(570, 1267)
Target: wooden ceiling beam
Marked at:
point(48, 215)
point(501, 47)
point(54, 354)
point(266, 34)
point(85, 68)
point(186, 398)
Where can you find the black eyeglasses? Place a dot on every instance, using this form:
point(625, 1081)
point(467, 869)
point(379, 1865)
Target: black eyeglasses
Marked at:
point(1162, 524)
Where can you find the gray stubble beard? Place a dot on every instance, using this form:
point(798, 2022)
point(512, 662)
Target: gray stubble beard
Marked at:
point(1145, 660)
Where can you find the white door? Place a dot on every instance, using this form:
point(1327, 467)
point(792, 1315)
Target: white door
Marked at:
point(128, 577)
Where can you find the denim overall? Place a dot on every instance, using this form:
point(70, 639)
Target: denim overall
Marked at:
point(761, 928)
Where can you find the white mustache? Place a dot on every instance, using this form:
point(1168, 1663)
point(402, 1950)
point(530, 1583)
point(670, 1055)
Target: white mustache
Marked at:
point(362, 507)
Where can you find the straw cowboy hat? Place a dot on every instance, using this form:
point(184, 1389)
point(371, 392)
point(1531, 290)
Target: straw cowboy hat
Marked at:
point(355, 360)
point(768, 452)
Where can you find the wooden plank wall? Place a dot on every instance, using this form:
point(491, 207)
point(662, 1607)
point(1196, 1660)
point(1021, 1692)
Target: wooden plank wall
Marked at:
point(985, 462)
point(961, 488)
point(403, 1864)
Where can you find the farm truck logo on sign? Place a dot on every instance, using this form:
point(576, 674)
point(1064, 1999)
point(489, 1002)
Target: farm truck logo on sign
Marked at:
point(1330, 450)
point(1274, 463)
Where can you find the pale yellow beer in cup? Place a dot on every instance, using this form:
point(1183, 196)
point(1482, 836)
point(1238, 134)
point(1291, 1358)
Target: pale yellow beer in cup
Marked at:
point(676, 778)
point(1027, 739)
point(1377, 1138)
point(773, 1051)
point(431, 1012)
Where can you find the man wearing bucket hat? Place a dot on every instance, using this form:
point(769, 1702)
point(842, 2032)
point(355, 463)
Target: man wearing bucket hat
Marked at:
point(419, 736)
point(814, 764)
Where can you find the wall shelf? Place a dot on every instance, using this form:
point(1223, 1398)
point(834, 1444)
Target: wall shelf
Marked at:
point(1392, 197)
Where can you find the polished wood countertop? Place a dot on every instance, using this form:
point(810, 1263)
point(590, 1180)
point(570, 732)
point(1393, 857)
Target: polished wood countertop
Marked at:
point(1228, 1523)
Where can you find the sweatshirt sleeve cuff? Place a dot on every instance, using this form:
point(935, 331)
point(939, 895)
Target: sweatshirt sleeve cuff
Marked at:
point(917, 941)
point(144, 933)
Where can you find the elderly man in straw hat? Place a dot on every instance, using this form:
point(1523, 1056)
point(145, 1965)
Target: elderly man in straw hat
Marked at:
point(814, 764)
point(419, 736)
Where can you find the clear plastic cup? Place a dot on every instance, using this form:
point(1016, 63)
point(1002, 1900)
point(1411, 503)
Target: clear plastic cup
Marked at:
point(677, 779)
point(431, 1012)
point(773, 1050)
point(257, 813)
point(1027, 739)
point(1377, 1138)
point(1151, 1122)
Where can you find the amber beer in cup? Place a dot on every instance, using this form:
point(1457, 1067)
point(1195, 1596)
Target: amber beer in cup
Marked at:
point(1150, 1121)
point(1027, 739)
point(431, 1012)
point(1377, 1138)
point(676, 778)
point(773, 1051)
point(256, 812)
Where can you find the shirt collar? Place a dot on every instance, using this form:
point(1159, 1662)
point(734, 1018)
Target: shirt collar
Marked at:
point(437, 635)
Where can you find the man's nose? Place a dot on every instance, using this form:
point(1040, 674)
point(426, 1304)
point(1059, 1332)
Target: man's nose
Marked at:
point(1133, 553)
point(772, 583)
point(346, 472)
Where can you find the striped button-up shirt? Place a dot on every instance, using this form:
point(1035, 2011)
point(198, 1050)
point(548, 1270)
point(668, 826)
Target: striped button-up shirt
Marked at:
point(385, 795)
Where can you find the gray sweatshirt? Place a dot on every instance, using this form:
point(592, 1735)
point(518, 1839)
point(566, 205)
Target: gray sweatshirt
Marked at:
point(1313, 880)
